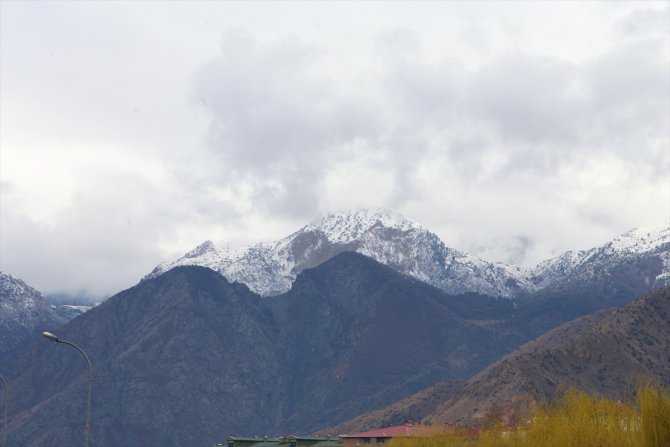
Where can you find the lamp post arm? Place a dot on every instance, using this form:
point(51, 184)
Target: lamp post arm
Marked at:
point(90, 386)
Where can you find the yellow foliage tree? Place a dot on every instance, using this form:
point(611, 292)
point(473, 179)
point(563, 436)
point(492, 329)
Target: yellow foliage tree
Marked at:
point(575, 420)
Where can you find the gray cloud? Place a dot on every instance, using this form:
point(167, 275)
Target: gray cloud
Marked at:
point(527, 99)
point(275, 124)
point(647, 22)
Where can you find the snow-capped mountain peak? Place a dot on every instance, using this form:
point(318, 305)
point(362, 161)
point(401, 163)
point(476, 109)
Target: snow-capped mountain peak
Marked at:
point(270, 268)
point(203, 249)
point(23, 312)
point(346, 226)
point(16, 292)
point(642, 240)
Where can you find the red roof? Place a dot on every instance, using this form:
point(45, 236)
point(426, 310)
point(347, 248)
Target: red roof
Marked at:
point(390, 432)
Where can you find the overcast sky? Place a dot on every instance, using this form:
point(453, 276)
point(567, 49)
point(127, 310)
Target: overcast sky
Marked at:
point(132, 131)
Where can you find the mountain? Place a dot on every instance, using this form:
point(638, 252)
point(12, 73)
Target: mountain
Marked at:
point(552, 293)
point(610, 275)
point(23, 313)
point(363, 336)
point(187, 358)
point(635, 262)
point(270, 268)
point(640, 243)
point(602, 353)
point(178, 359)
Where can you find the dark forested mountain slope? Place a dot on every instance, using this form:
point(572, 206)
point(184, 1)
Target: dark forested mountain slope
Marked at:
point(362, 336)
point(185, 350)
point(603, 353)
point(187, 358)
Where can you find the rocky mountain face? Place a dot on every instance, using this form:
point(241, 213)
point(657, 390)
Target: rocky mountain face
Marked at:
point(23, 313)
point(187, 358)
point(270, 268)
point(604, 353)
point(641, 255)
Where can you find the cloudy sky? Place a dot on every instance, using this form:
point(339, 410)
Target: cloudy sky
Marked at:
point(132, 131)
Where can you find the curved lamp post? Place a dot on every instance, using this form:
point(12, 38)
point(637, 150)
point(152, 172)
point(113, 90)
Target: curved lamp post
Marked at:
point(52, 337)
point(4, 417)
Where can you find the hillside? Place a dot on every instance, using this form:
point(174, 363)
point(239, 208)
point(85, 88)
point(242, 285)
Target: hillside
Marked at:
point(188, 358)
point(414, 407)
point(603, 353)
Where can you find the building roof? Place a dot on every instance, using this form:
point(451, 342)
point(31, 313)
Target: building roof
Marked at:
point(391, 432)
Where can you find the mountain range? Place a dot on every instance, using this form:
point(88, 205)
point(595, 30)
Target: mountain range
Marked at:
point(188, 358)
point(366, 309)
point(269, 268)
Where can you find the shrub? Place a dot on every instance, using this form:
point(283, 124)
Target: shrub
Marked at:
point(575, 420)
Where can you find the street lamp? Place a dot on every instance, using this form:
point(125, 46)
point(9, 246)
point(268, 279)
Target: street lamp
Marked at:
point(52, 337)
point(4, 417)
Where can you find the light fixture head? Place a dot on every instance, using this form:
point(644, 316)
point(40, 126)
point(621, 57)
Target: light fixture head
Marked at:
point(51, 336)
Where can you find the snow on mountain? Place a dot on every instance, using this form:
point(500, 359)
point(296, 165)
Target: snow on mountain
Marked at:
point(20, 303)
point(16, 294)
point(642, 240)
point(347, 226)
point(651, 241)
point(23, 312)
point(270, 268)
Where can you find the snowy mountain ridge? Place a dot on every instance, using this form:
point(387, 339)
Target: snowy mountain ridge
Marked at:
point(651, 240)
point(269, 268)
point(23, 312)
point(347, 226)
point(16, 292)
